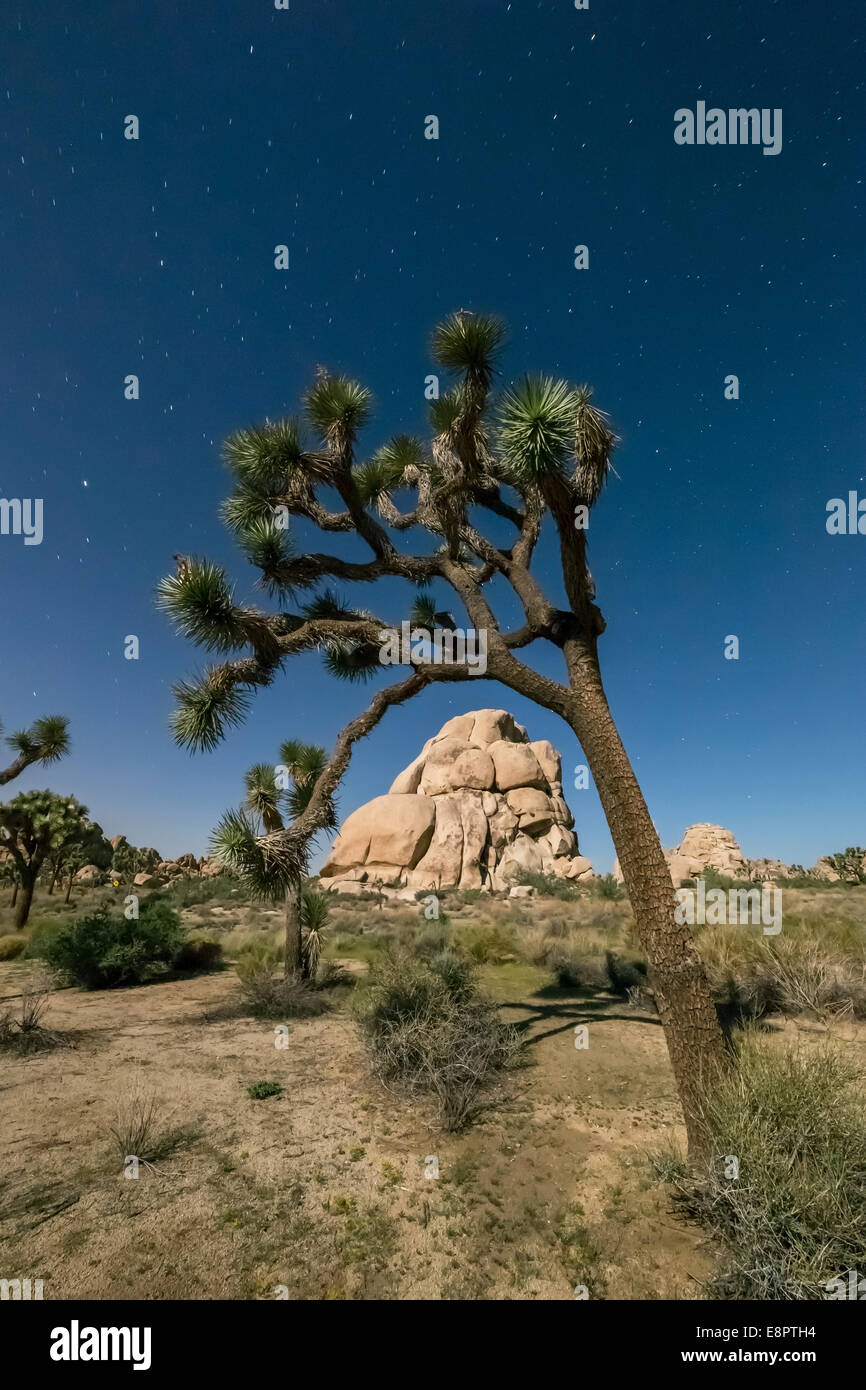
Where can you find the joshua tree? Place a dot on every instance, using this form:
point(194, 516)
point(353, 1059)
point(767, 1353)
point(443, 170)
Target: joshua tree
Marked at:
point(32, 827)
point(91, 847)
point(541, 449)
point(44, 742)
point(271, 791)
point(850, 864)
point(127, 861)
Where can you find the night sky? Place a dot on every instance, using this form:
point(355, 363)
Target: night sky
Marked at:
point(261, 127)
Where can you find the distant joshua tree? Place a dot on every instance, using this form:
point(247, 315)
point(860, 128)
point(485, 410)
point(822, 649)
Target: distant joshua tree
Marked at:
point(46, 741)
point(270, 792)
point(34, 827)
point(539, 450)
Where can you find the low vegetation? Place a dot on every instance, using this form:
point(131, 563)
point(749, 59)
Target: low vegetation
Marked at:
point(105, 950)
point(785, 1187)
point(430, 1032)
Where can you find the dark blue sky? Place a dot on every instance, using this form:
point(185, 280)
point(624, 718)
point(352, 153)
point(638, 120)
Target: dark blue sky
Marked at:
point(261, 127)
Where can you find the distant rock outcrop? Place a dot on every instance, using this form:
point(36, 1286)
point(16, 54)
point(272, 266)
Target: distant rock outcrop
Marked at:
point(706, 846)
point(480, 805)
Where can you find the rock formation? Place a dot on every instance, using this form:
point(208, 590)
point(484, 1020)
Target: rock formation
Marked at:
point(708, 846)
point(478, 806)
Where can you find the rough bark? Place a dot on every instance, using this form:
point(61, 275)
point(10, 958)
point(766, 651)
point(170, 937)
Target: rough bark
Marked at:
point(25, 900)
point(694, 1037)
point(294, 962)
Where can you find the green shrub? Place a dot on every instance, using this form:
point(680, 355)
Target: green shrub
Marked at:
point(198, 954)
point(190, 892)
point(432, 937)
point(624, 972)
point(430, 1031)
point(608, 888)
point(487, 943)
point(795, 1216)
point(257, 956)
point(12, 945)
point(549, 886)
point(40, 933)
point(102, 951)
point(261, 1090)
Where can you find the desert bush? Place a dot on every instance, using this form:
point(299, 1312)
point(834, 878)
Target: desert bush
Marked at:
point(625, 972)
point(331, 975)
point(135, 1126)
point(193, 891)
point(256, 957)
point(266, 995)
point(795, 1216)
point(430, 1032)
point(263, 1090)
point(102, 951)
point(456, 972)
point(816, 965)
point(139, 1130)
point(607, 887)
point(549, 886)
point(567, 966)
point(41, 932)
point(12, 945)
point(536, 945)
point(431, 937)
point(198, 954)
point(24, 1033)
point(487, 942)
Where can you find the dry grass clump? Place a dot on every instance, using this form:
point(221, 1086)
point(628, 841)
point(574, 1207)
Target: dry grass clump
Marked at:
point(430, 1032)
point(138, 1129)
point(816, 965)
point(266, 995)
point(792, 1215)
point(21, 1031)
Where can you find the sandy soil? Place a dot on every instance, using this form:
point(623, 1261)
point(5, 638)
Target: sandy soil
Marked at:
point(322, 1190)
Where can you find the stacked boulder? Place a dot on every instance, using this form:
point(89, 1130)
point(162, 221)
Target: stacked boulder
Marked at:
point(480, 806)
point(707, 846)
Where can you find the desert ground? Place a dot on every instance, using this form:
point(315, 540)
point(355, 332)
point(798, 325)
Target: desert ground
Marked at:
point(324, 1190)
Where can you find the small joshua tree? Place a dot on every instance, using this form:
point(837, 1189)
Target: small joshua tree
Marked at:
point(539, 449)
point(271, 792)
point(46, 741)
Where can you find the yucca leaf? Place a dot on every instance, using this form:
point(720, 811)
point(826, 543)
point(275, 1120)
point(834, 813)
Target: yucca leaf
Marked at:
point(206, 709)
point(200, 602)
point(537, 419)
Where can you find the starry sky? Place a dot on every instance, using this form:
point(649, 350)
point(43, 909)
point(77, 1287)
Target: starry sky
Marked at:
point(305, 127)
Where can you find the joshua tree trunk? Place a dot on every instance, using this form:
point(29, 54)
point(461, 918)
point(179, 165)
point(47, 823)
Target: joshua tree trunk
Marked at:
point(69, 887)
point(16, 885)
point(694, 1037)
point(25, 900)
point(54, 873)
point(294, 963)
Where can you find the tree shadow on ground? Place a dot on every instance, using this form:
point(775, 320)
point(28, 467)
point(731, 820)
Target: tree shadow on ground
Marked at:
point(573, 1007)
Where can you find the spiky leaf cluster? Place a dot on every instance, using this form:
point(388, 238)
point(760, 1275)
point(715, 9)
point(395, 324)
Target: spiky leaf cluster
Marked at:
point(201, 604)
point(206, 709)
